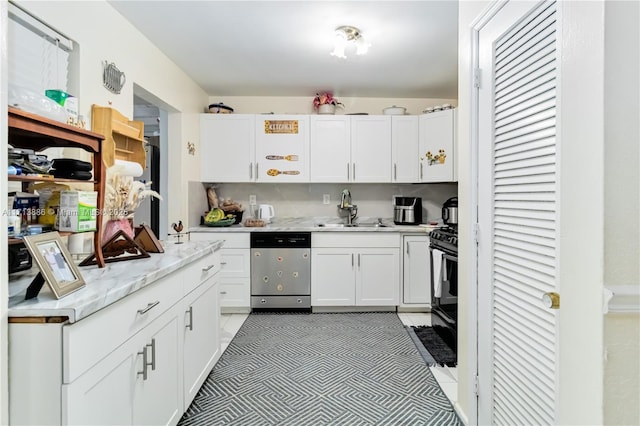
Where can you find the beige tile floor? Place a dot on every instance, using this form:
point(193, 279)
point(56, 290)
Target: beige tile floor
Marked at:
point(447, 377)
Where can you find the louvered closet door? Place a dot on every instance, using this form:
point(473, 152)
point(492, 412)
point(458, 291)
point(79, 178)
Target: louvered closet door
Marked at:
point(518, 224)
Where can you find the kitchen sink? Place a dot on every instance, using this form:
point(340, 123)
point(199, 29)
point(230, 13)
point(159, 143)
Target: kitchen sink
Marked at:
point(371, 225)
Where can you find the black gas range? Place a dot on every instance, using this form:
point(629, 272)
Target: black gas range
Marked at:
point(445, 239)
point(443, 249)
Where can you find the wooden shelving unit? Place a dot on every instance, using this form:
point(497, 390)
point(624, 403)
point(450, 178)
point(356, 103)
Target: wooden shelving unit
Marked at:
point(123, 138)
point(31, 131)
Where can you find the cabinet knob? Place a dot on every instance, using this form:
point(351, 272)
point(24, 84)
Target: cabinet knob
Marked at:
point(551, 300)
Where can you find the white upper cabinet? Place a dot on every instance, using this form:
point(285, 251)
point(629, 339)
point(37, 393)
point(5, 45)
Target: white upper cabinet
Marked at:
point(282, 148)
point(370, 148)
point(330, 154)
point(350, 148)
point(227, 147)
point(405, 152)
point(437, 146)
point(328, 148)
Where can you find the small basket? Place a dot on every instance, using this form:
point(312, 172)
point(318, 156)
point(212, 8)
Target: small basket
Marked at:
point(237, 214)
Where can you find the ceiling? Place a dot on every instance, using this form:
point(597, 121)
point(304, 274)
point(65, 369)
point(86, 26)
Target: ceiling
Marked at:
point(281, 48)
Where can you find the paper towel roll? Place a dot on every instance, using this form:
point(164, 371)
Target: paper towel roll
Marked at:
point(76, 243)
point(127, 168)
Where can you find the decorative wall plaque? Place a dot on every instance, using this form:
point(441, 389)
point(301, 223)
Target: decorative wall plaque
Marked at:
point(281, 126)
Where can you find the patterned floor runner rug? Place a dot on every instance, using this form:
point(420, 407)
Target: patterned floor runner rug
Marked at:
point(321, 369)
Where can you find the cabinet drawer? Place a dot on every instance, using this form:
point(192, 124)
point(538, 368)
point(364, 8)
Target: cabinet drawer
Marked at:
point(201, 270)
point(355, 239)
point(231, 239)
point(235, 263)
point(89, 340)
point(235, 293)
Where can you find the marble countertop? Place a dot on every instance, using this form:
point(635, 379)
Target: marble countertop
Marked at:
point(311, 224)
point(104, 286)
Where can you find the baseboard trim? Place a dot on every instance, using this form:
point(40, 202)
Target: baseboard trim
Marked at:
point(461, 415)
point(622, 299)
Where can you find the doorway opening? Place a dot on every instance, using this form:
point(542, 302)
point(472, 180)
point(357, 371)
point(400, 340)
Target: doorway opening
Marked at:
point(154, 113)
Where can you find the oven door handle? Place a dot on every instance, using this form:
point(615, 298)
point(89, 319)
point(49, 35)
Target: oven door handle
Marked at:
point(450, 257)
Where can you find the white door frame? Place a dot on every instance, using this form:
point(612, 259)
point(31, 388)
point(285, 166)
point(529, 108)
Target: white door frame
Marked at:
point(581, 123)
point(4, 269)
point(471, 246)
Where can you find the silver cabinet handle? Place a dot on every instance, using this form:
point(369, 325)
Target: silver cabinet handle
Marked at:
point(223, 292)
point(395, 171)
point(257, 175)
point(223, 263)
point(348, 172)
point(352, 260)
point(207, 268)
point(421, 167)
point(143, 373)
point(354, 171)
point(145, 359)
point(250, 171)
point(152, 345)
point(358, 260)
point(407, 247)
point(149, 307)
point(190, 324)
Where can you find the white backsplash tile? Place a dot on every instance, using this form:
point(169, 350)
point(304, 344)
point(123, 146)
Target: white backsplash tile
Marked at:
point(302, 200)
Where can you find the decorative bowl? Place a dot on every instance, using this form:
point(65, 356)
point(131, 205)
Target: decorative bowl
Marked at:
point(223, 222)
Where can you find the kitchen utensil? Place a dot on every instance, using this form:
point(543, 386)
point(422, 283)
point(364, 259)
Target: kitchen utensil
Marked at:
point(282, 157)
point(450, 212)
point(266, 212)
point(394, 110)
point(276, 172)
point(220, 108)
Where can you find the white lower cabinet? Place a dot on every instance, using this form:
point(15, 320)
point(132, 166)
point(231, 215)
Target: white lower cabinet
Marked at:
point(355, 269)
point(416, 287)
point(136, 384)
point(201, 338)
point(138, 361)
point(234, 279)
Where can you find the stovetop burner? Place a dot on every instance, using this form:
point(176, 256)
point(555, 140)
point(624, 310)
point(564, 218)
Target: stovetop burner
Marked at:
point(445, 238)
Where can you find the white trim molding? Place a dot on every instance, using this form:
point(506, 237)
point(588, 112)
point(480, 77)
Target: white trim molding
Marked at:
point(622, 299)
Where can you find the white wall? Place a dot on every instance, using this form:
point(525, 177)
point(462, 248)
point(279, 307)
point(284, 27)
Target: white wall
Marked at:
point(305, 200)
point(621, 225)
point(4, 297)
point(104, 35)
point(304, 105)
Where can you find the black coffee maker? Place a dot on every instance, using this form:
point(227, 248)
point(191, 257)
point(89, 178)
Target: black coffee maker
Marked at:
point(407, 211)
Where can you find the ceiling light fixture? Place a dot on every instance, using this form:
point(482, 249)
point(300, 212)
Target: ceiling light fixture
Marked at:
point(348, 34)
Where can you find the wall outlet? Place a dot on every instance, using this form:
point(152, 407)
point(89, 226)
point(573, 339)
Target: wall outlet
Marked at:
point(252, 200)
point(326, 199)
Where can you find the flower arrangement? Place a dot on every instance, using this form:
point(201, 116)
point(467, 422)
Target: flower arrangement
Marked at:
point(325, 99)
point(438, 158)
point(123, 195)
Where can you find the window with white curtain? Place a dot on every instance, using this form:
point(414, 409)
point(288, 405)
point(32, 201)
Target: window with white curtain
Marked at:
point(37, 55)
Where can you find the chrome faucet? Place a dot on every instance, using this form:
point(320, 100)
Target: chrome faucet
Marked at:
point(345, 204)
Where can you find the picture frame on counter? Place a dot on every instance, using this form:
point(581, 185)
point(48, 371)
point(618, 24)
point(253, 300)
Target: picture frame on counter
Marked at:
point(56, 265)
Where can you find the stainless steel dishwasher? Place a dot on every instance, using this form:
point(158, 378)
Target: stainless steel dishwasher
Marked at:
point(280, 270)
